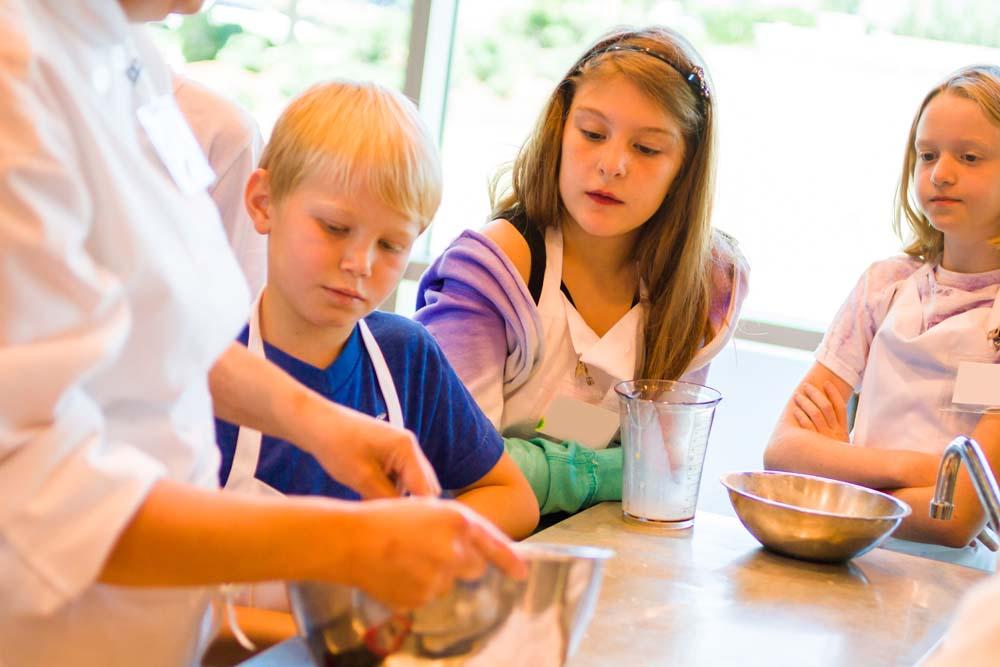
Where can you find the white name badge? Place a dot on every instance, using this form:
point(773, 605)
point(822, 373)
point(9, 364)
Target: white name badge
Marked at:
point(568, 418)
point(977, 384)
point(174, 142)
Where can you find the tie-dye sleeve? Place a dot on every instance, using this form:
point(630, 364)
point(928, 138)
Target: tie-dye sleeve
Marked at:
point(844, 349)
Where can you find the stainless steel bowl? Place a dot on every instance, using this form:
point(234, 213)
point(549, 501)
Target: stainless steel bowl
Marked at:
point(811, 517)
point(494, 620)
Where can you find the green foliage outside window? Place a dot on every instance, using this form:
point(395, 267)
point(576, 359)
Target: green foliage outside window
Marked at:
point(951, 21)
point(202, 39)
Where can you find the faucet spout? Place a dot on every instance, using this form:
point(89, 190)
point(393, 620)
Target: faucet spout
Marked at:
point(965, 449)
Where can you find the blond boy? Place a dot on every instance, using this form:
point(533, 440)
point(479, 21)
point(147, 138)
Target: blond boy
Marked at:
point(349, 180)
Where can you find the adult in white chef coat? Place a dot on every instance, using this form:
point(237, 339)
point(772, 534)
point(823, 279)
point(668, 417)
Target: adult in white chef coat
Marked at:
point(118, 308)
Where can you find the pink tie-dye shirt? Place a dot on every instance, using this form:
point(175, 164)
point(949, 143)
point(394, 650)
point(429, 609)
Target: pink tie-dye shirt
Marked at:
point(844, 349)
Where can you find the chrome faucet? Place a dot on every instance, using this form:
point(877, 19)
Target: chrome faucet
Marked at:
point(967, 449)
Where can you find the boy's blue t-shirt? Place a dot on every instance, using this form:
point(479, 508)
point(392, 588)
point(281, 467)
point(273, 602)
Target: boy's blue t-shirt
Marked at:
point(456, 436)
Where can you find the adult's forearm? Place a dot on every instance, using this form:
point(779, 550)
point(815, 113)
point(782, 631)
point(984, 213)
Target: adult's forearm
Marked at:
point(251, 391)
point(184, 536)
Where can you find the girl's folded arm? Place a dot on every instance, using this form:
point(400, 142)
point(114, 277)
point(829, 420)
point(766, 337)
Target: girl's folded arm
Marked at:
point(810, 449)
point(969, 516)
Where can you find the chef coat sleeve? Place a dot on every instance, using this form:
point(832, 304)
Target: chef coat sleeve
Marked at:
point(231, 140)
point(65, 492)
point(249, 247)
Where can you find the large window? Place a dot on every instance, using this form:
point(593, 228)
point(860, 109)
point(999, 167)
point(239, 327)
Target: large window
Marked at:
point(815, 99)
point(262, 53)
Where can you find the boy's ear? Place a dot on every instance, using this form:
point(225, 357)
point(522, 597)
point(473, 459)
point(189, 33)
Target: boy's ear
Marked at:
point(257, 199)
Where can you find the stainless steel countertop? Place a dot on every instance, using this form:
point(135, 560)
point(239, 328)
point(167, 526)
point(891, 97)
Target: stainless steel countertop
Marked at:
point(710, 595)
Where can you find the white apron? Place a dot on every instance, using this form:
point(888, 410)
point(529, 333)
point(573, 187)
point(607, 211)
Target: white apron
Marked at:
point(578, 363)
point(567, 342)
point(242, 476)
point(905, 399)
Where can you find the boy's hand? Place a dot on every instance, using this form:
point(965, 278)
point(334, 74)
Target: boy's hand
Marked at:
point(823, 411)
point(408, 552)
point(372, 457)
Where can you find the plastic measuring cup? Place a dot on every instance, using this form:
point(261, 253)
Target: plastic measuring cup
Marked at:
point(664, 431)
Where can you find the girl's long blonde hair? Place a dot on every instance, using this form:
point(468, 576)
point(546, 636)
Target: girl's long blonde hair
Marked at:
point(979, 83)
point(673, 249)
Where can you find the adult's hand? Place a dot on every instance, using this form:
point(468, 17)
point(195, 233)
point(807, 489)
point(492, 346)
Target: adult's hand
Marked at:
point(409, 551)
point(373, 458)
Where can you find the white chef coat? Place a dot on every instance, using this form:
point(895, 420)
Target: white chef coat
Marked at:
point(116, 297)
point(232, 143)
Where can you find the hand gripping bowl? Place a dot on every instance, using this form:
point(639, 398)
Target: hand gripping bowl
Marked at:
point(811, 517)
point(494, 620)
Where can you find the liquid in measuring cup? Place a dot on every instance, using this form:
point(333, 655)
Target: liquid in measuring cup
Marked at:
point(665, 428)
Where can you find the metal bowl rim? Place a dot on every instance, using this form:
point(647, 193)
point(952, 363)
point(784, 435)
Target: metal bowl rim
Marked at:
point(896, 502)
point(553, 552)
point(706, 403)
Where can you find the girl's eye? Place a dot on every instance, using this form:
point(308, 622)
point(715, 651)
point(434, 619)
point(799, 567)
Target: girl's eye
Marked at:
point(593, 136)
point(925, 156)
point(390, 246)
point(646, 150)
point(969, 157)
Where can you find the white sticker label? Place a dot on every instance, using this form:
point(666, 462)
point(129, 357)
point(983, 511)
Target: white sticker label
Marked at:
point(568, 418)
point(977, 384)
point(174, 142)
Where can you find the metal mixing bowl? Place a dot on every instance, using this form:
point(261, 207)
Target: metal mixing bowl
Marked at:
point(494, 620)
point(811, 517)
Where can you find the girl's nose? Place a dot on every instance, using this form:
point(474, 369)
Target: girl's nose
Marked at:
point(943, 172)
point(613, 162)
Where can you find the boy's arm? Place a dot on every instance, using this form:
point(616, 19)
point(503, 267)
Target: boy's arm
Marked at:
point(796, 448)
point(969, 517)
point(567, 477)
point(504, 497)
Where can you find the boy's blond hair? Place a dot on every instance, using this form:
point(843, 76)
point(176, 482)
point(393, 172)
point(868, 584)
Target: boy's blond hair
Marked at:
point(359, 135)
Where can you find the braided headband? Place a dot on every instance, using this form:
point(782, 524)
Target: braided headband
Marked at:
point(695, 76)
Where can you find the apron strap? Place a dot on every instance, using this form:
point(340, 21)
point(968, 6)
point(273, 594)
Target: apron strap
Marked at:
point(385, 383)
point(248, 440)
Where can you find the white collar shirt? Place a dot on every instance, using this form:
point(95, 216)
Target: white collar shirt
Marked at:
point(117, 294)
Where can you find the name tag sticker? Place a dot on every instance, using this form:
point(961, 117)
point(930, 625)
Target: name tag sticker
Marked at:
point(568, 418)
point(174, 142)
point(977, 384)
